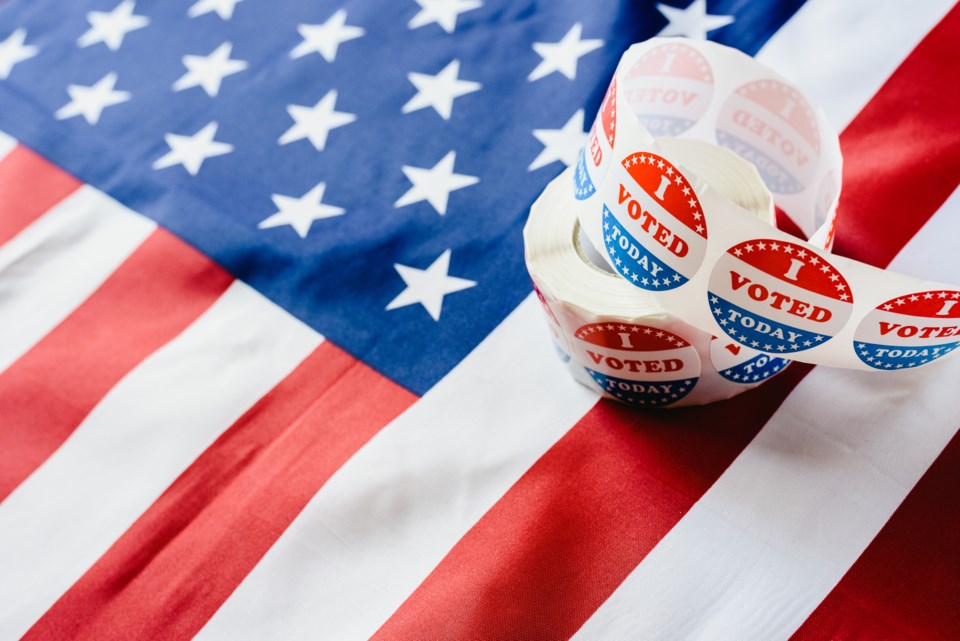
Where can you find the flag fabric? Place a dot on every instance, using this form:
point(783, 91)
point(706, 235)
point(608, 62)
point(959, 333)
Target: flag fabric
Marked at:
point(271, 368)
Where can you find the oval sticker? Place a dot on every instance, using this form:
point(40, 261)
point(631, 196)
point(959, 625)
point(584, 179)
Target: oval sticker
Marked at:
point(777, 296)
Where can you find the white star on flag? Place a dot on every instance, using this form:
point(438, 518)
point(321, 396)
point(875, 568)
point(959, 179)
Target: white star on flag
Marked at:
point(443, 12)
point(439, 91)
point(210, 70)
point(110, 27)
point(693, 22)
point(563, 56)
point(300, 213)
point(326, 38)
point(90, 102)
point(223, 8)
point(428, 286)
point(315, 123)
point(191, 151)
point(562, 144)
point(13, 50)
point(435, 184)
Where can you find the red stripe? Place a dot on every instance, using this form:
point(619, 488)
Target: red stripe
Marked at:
point(183, 557)
point(902, 151)
point(541, 561)
point(906, 584)
point(29, 186)
point(786, 224)
point(157, 292)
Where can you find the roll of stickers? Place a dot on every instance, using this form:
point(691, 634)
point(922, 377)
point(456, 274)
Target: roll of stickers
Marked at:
point(669, 232)
point(616, 338)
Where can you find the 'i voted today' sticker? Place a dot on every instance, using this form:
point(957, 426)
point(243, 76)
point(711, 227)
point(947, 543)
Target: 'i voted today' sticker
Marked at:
point(595, 157)
point(770, 124)
point(669, 88)
point(655, 233)
point(777, 296)
point(637, 364)
point(910, 330)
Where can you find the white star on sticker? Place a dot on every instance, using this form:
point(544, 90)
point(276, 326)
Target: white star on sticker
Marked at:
point(210, 70)
point(110, 27)
point(315, 123)
point(443, 12)
point(90, 102)
point(223, 8)
point(562, 144)
point(191, 151)
point(562, 56)
point(428, 286)
point(439, 91)
point(693, 22)
point(435, 184)
point(326, 38)
point(13, 50)
point(300, 213)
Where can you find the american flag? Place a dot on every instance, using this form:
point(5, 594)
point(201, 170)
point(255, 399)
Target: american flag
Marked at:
point(271, 367)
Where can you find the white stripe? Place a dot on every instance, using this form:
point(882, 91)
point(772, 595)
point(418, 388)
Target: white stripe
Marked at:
point(388, 516)
point(55, 263)
point(140, 437)
point(7, 143)
point(841, 53)
point(770, 539)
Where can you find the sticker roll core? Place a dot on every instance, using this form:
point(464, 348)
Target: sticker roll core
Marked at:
point(617, 339)
point(663, 223)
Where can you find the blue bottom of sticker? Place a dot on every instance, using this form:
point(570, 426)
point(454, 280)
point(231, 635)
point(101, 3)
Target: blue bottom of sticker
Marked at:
point(632, 261)
point(778, 179)
point(645, 393)
point(582, 185)
point(901, 356)
point(759, 332)
point(669, 126)
point(759, 368)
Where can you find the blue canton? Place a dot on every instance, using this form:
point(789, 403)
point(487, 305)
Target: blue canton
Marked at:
point(366, 165)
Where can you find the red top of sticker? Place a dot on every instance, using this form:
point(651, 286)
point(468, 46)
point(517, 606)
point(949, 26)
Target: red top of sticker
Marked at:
point(666, 185)
point(630, 337)
point(794, 263)
point(932, 304)
point(788, 104)
point(674, 60)
point(608, 112)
